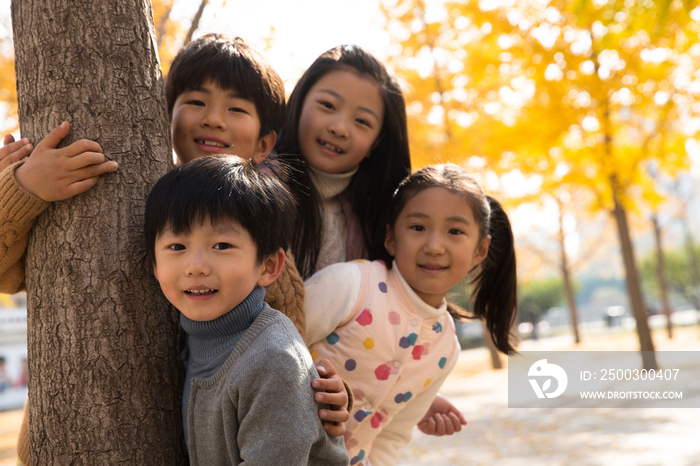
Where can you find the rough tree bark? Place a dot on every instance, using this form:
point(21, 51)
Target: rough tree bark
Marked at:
point(103, 345)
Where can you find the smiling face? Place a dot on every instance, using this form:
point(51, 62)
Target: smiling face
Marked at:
point(208, 120)
point(341, 118)
point(435, 242)
point(210, 270)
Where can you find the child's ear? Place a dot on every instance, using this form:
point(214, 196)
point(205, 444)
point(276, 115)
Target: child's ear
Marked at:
point(264, 147)
point(155, 271)
point(482, 250)
point(389, 241)
point(271, 268)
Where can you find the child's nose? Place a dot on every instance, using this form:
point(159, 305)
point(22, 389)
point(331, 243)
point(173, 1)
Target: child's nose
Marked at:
point(434, 244)
point(214, 119)
point(197, 266)
point(338, 127)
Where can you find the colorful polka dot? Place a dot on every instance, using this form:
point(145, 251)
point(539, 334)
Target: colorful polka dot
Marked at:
point(427, 382)
point(382, 287)
point(442, 363)
point(403, 397)
point(369, 343)
point(358, 394)
point(382, 262)
point(394, 318)
point(361, 415)
point(360, 456)
point(437, 328)
point(382, 372)
point(410, 340)
point(365, 318)
point(359, 261)
point(314, 355)
point(376, 420)
point(418, 352)
point(333, 338)
point(350, 365)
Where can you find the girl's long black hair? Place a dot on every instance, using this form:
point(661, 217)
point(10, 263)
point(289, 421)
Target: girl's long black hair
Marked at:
point(371, 188)
point(494, 287)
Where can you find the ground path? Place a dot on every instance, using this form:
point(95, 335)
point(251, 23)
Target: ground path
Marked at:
point(499, 436)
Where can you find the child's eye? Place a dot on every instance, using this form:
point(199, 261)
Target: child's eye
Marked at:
point(455, 231)
point(198, 103)
point(328, 105)
point(417, 227)
point(364, 122)
point(238, 110)
point(176, 247)
point(222, 246)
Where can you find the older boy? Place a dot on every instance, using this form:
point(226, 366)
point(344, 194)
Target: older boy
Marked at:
point(222, 98)
point(215, 245)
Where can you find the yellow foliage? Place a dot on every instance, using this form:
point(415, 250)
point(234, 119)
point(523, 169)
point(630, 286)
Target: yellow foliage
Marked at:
point(580, 93)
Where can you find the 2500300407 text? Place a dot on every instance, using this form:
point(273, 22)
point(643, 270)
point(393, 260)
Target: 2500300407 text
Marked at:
point(634, 374)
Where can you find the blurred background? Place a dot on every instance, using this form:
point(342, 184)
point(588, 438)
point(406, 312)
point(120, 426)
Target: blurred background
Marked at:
point(580, 116)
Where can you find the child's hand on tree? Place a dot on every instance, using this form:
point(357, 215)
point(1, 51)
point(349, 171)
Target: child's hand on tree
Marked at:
point(12, 150)
point(442, 418)
point(335, 395)
point(56, 174)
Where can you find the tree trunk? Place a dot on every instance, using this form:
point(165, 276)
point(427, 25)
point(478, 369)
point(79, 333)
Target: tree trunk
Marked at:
point(195, 21)
point(105, 381)
point(661, 275)
point(634, 290)
point(566, 277)
point(496, 362)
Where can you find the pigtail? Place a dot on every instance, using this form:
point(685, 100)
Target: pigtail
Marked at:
point(495, 287)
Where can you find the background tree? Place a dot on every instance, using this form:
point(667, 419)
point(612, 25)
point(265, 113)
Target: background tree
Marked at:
point(103, 343)
point(571, 88)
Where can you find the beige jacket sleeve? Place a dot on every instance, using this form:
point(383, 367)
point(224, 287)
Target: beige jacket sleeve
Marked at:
point(18, 210)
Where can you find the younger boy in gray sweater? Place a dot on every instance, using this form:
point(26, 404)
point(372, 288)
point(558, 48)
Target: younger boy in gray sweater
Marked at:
point(216, 229)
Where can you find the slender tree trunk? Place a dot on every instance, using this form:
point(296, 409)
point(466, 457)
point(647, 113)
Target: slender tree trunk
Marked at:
point(195, 21)
point(633, 288)
point(566, 277)
point(496, 362)
point(105, 377)
point(661, 275)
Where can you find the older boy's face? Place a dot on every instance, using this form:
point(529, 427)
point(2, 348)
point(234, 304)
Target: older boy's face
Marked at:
point(209, 120)
point(208, 271)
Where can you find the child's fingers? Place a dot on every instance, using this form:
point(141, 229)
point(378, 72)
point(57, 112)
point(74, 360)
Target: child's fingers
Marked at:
point(7, 139)
point(12, 158)
point(17, 149)
point(334, 429)
point(341, 415)
point(55, 136)
point(460, 418)
point(325, 368)
point(331, 385)
point(76, 188)
point(337, 400)
point(427, 426)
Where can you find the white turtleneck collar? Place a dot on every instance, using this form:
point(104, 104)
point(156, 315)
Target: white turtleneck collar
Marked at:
point(330, 185)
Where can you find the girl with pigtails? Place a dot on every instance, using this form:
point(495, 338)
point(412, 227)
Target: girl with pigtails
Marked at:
point(386, 325)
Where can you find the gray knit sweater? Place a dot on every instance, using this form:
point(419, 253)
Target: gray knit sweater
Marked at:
point(258, 408)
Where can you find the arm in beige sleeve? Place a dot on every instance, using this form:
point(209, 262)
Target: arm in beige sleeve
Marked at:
point(331, 295)
point(18, 210)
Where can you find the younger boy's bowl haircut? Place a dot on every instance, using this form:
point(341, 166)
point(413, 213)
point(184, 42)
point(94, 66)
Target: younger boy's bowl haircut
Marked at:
point(219, 188)
point(230, 64)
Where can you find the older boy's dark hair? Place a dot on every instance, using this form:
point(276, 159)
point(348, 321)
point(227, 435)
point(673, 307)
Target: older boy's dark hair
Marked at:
point(220, 188)
point(230, 64)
